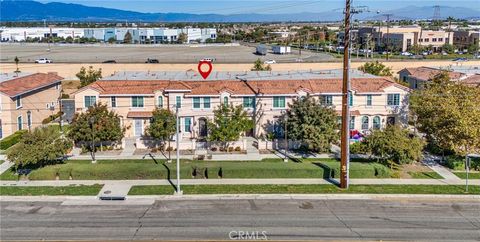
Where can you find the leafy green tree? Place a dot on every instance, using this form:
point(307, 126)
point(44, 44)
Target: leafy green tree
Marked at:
point(416, 49)
point(69, 39)
point(259, 66)
point(313, 124)
point(182, 38)
point(42, 146)
point(106, 125)
point(393, 144)
point(376, 68)
point(16, 64)
point(473, 48)
point(447, 113)
point(88, 76)
point(228, 124)
point(450, 49)
point(162, 125)
point(127, 39)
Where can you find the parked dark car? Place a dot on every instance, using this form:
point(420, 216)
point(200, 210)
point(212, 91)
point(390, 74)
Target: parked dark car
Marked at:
point(152, 61)
point(110, 61)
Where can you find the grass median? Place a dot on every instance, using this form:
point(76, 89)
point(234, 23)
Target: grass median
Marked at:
point(471, 175)
point(50, 190)
point(304, 189)
point(147, 169)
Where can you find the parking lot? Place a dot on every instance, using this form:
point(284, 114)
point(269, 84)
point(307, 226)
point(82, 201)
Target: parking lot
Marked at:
point(97, 53)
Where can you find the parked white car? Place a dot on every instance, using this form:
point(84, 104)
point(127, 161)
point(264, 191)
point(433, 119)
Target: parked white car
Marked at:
point(270, 62)
point(208, 59)
point(406, 53)
point(43, 61)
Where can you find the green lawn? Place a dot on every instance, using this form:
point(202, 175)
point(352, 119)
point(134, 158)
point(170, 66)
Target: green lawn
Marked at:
point(1, 161)
point(50, 191)
point(303, 189)
point(425, 175)
point(147, 169)
point(471, 175)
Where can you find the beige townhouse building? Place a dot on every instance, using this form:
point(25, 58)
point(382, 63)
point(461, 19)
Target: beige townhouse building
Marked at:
point(401, 38)
point(375, 101)
point(27, 99)
point(417, 77)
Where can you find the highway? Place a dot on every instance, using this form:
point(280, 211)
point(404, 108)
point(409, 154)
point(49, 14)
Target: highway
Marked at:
point(254, 219)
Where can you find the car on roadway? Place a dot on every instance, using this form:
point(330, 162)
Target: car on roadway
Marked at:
point(155, 61)
point(208, 59)
point(270, 62)
point(110, 61)
point(460, 59)
point(43, 61)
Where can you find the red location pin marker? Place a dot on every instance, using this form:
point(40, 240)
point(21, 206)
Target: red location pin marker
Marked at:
point(205, 73)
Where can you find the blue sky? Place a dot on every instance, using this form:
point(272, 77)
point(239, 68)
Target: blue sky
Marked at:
point(259, 6)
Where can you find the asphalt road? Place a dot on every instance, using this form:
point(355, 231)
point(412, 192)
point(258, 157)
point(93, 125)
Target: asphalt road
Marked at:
point(28, 53)
point(398, 219)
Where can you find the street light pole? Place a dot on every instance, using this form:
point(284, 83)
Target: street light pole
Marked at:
point(345, 105)
point(177, 130)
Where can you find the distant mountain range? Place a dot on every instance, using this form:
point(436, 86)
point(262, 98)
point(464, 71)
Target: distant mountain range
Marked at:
point(28, 10)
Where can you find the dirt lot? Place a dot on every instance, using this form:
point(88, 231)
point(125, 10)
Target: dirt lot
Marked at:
point(69, 70)
point(97, 53)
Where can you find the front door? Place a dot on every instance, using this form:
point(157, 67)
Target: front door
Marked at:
point(202, 128)
point(138, 127)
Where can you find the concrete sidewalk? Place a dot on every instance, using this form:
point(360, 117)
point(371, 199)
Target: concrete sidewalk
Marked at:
point(5, 166)
point(278, 181)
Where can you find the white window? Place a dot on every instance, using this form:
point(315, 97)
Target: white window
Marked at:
point(369, 100)
point(279, 102)
point(19, 102)
point(137, 102)
point(89, 101)
point(393, 99)
point(113, 101)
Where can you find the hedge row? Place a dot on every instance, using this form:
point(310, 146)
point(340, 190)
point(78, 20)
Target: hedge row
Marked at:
point(11, 140)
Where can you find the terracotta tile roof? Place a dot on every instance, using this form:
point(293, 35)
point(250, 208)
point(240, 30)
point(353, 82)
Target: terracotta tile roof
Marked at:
point(473, 80)
point(139, 114)
point(137, 87)
point(25, 84)
point(236, 87)
point(426, 73)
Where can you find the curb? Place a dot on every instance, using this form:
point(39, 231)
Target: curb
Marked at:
point(244, 196)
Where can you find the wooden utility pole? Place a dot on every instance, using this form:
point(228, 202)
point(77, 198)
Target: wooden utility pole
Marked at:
point(345, 108)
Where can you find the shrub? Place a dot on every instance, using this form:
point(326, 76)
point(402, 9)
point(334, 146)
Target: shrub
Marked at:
point(65, 96)
point(238, 148)
point(455, 162)
point(358, 148)
point(230, 149)
point(11, 140)
point(213, 149)
point(169, 148)
point(51, 118)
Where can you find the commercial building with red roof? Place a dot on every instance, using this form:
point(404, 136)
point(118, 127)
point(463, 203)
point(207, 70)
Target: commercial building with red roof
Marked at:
point(26, 100)
point(375, 101)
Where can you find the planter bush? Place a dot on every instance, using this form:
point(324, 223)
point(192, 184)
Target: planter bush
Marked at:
point(11, 140)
